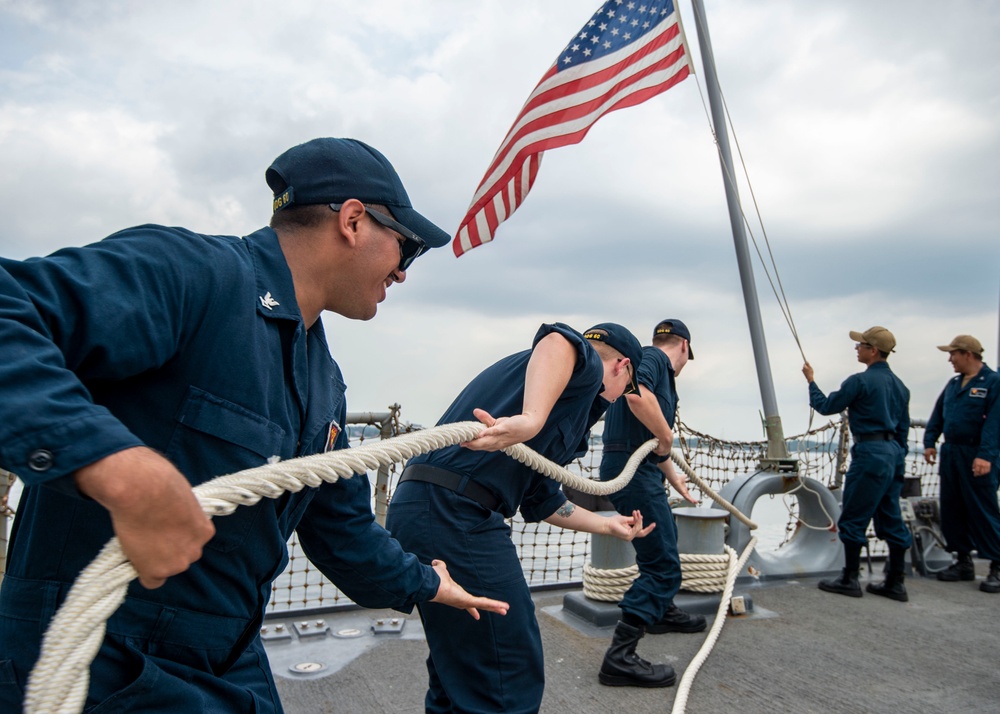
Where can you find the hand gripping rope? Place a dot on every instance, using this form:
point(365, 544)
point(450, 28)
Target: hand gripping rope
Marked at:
point(59, 682)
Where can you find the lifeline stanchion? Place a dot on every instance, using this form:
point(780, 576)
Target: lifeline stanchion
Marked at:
point(59, 682)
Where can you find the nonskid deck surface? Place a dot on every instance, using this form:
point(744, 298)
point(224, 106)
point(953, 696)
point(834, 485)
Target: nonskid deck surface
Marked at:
point(799, 650)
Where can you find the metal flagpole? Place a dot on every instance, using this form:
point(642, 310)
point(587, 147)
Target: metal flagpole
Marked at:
point(777, 451)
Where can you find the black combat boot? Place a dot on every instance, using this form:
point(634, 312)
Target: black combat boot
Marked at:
point(992, 582)
point(961, 569)
point(892, 586)
point(847, 583)
point(622, 667)
point(676, 620)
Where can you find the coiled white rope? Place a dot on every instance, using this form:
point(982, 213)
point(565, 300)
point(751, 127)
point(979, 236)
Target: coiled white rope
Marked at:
point(59, 682)
point(699, 573)
point(607, 584)
point(702, 573)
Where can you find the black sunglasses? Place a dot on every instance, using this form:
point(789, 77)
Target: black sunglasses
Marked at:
point(410, 249)
point(632, 387)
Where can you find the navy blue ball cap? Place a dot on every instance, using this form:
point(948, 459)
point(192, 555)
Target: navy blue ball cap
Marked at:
point(674, 326)
point(336, 170)
point(618, 337)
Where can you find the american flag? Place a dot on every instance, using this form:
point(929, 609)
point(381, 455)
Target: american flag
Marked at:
point(627, 53)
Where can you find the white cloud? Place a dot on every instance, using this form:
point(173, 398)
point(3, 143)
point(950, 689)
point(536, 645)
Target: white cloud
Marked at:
point(869, 130)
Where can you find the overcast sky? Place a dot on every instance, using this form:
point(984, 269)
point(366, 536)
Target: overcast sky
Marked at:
point(869, 130)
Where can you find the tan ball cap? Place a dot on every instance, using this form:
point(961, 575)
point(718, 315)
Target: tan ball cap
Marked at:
point(878, 337)
point(964, 342)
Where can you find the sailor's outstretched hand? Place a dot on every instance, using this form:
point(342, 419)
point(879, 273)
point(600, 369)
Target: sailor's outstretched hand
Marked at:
point(501, 432)
point(679, 482)
point(807, 370)
point(451, 593)
point(628, 527)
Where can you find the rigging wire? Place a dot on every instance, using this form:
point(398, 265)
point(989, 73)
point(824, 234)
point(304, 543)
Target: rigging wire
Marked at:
point(779, 291)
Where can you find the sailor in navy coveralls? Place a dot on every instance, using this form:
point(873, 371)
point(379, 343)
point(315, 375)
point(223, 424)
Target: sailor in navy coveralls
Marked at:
point(968, 414)
point(159, 358)
point(453, 503)
point(878, 412)
point(648, 605)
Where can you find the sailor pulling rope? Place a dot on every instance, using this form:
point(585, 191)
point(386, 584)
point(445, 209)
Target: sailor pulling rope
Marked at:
point(59, 681)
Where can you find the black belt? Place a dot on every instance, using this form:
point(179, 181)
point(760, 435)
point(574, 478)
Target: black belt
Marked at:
point(961, 440)
point(875, 436)
point(617, 448)
point(462, 485)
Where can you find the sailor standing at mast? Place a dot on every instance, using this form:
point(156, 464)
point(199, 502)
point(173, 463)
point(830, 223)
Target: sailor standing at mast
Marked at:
point(878, 412)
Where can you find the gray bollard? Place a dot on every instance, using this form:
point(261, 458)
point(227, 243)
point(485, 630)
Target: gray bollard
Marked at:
point(700, 531)
point(608, 552)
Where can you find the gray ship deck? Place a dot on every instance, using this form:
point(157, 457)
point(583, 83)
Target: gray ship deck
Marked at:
point(798, 650)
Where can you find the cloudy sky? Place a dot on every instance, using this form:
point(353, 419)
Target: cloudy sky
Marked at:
point(869, 130)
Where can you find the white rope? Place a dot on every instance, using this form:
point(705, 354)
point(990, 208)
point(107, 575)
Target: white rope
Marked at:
point(607, 584)
point(707, 490)
point(699, 573)
point(735, 566)
point(704, 573)
point(59, 682)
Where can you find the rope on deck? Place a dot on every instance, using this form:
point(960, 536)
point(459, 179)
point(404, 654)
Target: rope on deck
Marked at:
point(699, 573)
point(59, 682)
point(735, 566)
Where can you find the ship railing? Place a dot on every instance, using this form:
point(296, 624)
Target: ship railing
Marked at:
point(553, 557)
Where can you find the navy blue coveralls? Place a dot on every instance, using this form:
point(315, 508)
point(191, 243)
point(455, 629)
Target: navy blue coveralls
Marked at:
point(653, 592)
point(494, 664)
point(194, 346)
point(969, 418)
point(878, 406)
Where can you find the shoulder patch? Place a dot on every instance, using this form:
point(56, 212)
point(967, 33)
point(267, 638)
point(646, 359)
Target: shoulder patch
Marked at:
point(331, 438)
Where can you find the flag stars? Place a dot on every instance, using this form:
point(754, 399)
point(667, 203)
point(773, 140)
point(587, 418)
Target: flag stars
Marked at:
point(601, 35)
